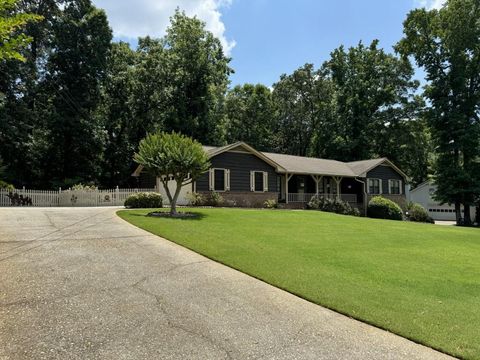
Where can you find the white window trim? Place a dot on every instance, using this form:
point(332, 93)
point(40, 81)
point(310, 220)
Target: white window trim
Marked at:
point(390, 182)
point(380, 187)
point(226, 177)
point(252, 181)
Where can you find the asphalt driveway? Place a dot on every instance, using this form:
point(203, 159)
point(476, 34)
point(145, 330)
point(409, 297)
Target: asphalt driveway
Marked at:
point(80, 283)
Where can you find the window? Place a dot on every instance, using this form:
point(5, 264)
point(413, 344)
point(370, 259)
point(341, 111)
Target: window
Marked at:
point(219, 179)
point(258, 181)
point(394, 187)
point(374, 186)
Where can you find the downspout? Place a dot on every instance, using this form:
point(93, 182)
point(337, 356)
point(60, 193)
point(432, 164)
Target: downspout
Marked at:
point(364, 195)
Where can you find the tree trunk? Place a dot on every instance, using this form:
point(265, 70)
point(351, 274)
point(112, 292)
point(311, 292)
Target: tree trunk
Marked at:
point(467, 220)
point(458, 213)
point(477, 215)
point(167, 190)
point(173, 203)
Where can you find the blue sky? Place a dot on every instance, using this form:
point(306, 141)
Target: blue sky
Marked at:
point(267, 38)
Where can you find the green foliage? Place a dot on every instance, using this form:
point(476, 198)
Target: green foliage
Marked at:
point(381, 208)
point(214, 199)
point(172, 157)
point(122, 130)
point(6, 186)
point(304, 113)
point(12, 41)
point(83, 187)
point(334, 205)
point(144, 200)
point(211, 199)
point(250, 116)
point(270, 204)
point(417, 213)
point(195, 199)
point(373, 90)
point(445, 43)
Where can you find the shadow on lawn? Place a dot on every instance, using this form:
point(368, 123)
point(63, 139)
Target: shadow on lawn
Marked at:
point(165, 214)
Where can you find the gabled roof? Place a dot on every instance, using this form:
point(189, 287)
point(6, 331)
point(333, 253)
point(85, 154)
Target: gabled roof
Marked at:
point(214, 151)
point(360, 168)
point(428, 182)
point(248, 148)
point(308, 165)
point(300, 164)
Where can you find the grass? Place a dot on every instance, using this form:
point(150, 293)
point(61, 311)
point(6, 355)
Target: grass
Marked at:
point(420, 281)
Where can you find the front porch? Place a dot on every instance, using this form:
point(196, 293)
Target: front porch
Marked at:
point(299, 188)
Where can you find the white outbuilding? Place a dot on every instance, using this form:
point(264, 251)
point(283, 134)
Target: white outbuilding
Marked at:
point(423, 194)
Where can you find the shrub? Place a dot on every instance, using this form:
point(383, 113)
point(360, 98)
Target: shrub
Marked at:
point(334, 205)
point(416, 212)
point(270, 204)
point(144, 200)
point(6, 186)
point(214, 199)
point(83, 187)
point(381, 208)
point(195, 199)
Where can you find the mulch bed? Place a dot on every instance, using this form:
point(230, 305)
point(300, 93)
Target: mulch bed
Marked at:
point(179, 215)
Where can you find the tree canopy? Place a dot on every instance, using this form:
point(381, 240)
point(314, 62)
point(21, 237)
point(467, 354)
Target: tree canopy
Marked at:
point(78, 105)
point(446, 44)
point(12, 40)
point(172, 157)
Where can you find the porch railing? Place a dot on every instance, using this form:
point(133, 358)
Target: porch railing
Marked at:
point(306, 197)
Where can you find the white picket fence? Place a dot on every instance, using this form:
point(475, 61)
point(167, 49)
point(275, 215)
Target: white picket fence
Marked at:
point(47, 198)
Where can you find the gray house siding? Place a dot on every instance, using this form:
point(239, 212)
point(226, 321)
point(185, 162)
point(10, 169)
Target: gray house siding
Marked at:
point(386, 173)
point(240, 165)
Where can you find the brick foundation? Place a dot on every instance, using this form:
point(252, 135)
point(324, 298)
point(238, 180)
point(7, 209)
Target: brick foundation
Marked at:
point(245, 199)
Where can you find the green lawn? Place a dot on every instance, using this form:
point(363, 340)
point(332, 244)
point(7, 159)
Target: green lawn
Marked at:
point(417, 280)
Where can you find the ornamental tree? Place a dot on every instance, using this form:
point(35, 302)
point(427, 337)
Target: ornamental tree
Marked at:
point(172, 156)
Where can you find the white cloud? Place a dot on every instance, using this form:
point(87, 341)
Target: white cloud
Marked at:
point(134, 18)
point(430, 4)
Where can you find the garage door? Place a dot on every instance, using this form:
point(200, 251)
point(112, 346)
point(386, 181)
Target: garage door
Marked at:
point(442, 213)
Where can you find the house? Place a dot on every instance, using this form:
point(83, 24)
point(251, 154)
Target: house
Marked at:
point(247, 177)
point(423, 194)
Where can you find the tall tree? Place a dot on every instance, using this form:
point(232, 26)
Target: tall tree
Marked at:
point(12, 41)
point(196, 79)
point(303, 104)
point(76, 68)
point(369, 84)
point(446, 44)
point(250, 116)
point(116, 114)
point(25, 105)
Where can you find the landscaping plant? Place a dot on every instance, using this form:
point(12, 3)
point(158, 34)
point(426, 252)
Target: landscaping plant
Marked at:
point(416, 212)
point(172, 157)
point(382, 208)
point(144, 200)
point(334, 205)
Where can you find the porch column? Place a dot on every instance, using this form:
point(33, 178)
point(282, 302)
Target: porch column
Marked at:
point(317, 179)
point(338, 179)
point(287, 179)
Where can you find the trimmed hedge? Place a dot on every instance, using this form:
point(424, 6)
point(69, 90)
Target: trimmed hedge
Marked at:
point(381, 208)
point(334, 205)
point(143, 200)
point(418, 213)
